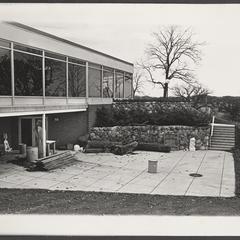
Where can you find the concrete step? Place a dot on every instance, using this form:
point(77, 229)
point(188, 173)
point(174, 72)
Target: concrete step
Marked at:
point(226, 141)
point(222, 143)
point(223, 131)
point(219, 149)
point(223, 134)
point(222, 146)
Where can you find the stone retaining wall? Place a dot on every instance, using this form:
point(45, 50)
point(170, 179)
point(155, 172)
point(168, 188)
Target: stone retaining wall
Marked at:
point(179, 135)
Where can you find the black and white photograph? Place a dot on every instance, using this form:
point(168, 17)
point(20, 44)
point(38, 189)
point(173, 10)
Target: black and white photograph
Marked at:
point(119, 110)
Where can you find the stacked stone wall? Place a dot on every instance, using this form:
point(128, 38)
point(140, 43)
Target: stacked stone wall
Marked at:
point(153, 134)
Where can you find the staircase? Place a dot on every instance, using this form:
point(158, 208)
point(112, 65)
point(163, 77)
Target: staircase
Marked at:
point(223, 137)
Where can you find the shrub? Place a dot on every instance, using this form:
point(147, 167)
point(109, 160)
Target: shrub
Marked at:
point(139, 113)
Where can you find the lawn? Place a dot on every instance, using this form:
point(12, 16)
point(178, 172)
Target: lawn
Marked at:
point(37, 201)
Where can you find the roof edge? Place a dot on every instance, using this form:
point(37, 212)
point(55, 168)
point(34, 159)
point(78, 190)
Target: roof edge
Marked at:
point(28, 28)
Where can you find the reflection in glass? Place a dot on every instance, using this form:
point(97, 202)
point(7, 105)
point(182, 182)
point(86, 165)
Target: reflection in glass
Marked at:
point(119, 85)
point(55, 78)
point(28, 74)
point(55, 55)
point(5, 72)
point(76, 81)
point(107, 84)
point(128, 85)
point(94, 82)
point(27, 49)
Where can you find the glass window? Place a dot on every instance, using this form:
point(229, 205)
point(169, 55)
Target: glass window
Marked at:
point(94, 82)
point(54, 55)
point(4, 43)
point(76, 81)
point(5, 72)
point(74, 60)
point(55, 78)
point(128, 85)
point(108, 84)
point(93, 65)
point(27, 74)
point(119, 85)
point(27, 49)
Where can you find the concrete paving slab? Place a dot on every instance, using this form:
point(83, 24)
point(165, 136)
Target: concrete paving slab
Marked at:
point(56, 176)
point(38, 183)
point(4, 184)
point(69, 186)
point(128, 173)
point(16, 178)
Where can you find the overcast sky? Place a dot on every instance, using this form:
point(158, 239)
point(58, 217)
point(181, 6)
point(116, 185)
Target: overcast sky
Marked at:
point(124, 30)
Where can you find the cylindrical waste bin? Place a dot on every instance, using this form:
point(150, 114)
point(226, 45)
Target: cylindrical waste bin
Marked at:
point(23, 148)
point(32, 153)
point(152, 166)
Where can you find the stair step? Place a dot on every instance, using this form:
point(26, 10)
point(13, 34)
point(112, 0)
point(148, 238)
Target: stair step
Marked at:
point(220, 149)
point(222, 146)
point(223, 140)
point(223, 130)
point(223, 134)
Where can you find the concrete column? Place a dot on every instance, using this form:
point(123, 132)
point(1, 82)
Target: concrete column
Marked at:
point(101, 81)
point(43, 75)
point(67, 78)
point(86, 79)
point(44, 134)
point(12, 75)
point(114, 82)
point(123, 84)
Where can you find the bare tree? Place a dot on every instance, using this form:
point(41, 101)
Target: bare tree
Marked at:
point(186, 91)
point(138, 82)
point(193, 92)
point(171, 56)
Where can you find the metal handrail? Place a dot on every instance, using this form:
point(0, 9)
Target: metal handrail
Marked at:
point(212, 125)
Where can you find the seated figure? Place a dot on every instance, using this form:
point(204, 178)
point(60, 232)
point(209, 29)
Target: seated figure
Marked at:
point(7, 147)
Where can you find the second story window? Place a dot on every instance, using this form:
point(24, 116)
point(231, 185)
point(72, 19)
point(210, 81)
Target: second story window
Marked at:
point(128, 85)
point(119, 85)
point(94, 80)
point(76, 80)
point(28, 74)
point(5, 71)
point(55, 76)
point(108, 82)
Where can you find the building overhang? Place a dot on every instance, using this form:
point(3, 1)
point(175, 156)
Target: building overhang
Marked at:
point(39, 112)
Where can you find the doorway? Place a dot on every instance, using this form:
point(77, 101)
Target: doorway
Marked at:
point(29, 129)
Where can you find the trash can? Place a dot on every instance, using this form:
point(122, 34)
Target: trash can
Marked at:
point(23, 148)
point(152, 166)
point(32, 153)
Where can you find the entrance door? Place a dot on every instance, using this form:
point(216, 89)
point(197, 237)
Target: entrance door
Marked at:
point(30, 131)
point(26, 131)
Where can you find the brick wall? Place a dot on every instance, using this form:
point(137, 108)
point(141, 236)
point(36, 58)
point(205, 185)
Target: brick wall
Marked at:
point(67, 127)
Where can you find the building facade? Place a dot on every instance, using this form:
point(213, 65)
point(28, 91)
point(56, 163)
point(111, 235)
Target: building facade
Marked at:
point(50, 87)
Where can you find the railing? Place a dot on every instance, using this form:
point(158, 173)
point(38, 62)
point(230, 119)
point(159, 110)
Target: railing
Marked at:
point(212, 128)
point(212, 125)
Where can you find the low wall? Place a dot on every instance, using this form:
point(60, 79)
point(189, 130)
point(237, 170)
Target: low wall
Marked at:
point(176, 136)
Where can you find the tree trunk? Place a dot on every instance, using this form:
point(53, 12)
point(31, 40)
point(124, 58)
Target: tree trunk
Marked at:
point(165, 90)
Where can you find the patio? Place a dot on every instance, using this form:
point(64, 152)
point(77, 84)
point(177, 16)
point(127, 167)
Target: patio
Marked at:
point(111, 173)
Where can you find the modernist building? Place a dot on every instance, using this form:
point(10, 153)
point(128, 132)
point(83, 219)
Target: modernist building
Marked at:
point(51, 82)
